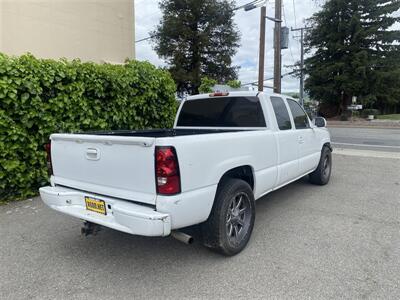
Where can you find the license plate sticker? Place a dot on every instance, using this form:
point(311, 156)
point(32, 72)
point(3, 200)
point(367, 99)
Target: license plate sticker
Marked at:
point(96, 205)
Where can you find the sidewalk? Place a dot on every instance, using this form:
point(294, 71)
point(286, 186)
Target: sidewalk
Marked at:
point(365, 153)
point(364, 123)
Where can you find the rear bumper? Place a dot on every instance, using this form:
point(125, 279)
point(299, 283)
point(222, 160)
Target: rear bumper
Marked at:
point(121, 215)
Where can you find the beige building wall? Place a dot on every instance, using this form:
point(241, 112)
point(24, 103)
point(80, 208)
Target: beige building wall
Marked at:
point(92, 30)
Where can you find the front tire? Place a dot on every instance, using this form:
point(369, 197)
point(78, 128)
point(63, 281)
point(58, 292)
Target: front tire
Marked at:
point(231, 222)
point(322, 174)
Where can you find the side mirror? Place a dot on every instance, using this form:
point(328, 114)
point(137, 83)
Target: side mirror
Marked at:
point(319, 122)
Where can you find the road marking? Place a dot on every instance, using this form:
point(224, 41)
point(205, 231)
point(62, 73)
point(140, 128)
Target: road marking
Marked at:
point(366, 153)
point(366, 145)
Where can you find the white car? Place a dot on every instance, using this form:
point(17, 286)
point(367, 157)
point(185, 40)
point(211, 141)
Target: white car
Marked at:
point(226, 150)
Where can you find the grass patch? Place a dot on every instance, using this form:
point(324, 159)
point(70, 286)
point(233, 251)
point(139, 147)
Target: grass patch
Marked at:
point(389, 117)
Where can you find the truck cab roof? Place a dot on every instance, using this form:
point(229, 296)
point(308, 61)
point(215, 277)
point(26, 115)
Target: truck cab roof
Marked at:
point(235, 94)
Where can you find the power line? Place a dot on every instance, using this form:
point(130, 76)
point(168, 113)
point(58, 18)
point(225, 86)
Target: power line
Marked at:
point(301, 62)
point(255, 82)
point(295, 23)
point(248, 4)
point(236, 8)
point(294, 13)
point(286, 24)
point(144, 39)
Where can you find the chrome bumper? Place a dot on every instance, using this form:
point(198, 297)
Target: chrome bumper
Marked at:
point(122, 215)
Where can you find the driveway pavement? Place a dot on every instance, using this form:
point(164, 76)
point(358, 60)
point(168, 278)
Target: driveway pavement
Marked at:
point(337, 241)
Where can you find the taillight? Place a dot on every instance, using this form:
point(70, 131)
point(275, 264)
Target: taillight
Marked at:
point(49, 164)
point(168, 180)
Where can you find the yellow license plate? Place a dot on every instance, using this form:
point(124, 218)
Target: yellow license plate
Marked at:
point(95, 205)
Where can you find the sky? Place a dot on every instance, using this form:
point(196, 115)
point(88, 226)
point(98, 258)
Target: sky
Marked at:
point(294, 13)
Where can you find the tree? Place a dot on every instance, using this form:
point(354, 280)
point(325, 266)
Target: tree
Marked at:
point(197, 39)
point(354, 52)
point(235, 84)
point(206, 85)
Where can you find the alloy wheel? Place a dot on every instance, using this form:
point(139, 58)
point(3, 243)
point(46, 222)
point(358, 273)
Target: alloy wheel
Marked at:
point(238, 218)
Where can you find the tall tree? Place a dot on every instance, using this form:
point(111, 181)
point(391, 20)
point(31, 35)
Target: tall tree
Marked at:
point(197, 38)
point(354, 52)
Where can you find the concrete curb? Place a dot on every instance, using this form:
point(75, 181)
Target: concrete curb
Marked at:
point(363, 126)
point(366, 153)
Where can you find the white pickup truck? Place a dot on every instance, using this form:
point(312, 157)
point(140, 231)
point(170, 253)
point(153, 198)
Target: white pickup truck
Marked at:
point(226, 150)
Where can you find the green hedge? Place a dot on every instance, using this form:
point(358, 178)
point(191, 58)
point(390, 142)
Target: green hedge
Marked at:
point(39, 97)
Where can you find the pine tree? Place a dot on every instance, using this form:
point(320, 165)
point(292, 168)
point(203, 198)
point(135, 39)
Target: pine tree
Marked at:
point(356, 54)
point(197, 38)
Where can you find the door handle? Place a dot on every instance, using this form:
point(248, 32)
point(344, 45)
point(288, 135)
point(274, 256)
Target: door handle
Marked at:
point(301, 140)
point(92, 153)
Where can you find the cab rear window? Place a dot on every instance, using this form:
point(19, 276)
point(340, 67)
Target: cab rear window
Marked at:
point(222, 112)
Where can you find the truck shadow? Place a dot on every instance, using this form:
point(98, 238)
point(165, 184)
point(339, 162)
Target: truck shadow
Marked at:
point(123, 249)
point(166, 263)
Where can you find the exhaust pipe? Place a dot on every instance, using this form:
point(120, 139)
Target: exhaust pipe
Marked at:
point(90, 228)
point(182, 237)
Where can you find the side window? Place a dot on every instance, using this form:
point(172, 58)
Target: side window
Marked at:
point(299, 116)
point(281, 113)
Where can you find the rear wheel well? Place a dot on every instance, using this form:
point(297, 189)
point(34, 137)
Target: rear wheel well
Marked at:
point(244, 173)
point(328, 145)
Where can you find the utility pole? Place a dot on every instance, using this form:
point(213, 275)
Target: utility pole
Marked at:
point(301, 62)
point(277, 48)
point(277, 21)
point(262, 50)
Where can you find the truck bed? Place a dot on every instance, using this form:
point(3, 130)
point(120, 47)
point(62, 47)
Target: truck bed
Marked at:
point(117, 163)
point(157, 133)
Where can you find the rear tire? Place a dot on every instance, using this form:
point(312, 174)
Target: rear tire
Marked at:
point(322, 174)
point(230, 224)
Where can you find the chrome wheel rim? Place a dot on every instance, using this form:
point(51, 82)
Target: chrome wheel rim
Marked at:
point(238, 218)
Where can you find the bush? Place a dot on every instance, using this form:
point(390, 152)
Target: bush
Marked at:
point(369, 111)
point(327, 110)
point(39, 97)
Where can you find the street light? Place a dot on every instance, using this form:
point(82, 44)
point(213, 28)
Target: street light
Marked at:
point(253, 5)
point(256, 4)
point(274, 19)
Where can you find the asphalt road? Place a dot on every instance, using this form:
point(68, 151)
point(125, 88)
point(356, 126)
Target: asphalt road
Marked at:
point(377, 139)
point(337, 241)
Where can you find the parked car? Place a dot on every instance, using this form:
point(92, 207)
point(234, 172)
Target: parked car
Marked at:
point(225, 151)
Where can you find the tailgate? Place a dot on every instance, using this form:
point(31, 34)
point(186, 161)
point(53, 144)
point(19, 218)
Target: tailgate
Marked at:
point(116, 166)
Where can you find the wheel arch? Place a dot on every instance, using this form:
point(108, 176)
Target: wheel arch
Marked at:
point(328, 145)
point(244, 172)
